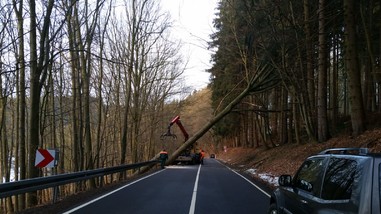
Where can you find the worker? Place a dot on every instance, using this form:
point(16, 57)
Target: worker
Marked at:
point(163, 158)
point(202, 155)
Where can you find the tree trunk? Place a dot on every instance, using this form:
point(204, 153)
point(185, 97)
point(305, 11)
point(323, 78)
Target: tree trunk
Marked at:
point(334, 94)
point(296, 118)
point(62, 139)
point(21, 99)
point(76, 141)
point(209, 125)
point(6, 155)
point(371, 68)
point(323, 133)
point(284, 117)
point(38, 73)
point(354, 76)
point(34, 102)
point(309, 55)
point(86, 76)
point(254, 85)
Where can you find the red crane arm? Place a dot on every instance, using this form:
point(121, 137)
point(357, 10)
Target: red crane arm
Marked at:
point(180, 125)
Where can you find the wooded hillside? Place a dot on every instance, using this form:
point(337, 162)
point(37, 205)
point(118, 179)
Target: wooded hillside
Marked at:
point(325, 56)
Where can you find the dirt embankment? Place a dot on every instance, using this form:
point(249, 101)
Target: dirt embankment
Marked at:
point(286, 159)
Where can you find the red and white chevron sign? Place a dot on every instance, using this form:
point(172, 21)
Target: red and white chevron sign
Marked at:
point(45, 158)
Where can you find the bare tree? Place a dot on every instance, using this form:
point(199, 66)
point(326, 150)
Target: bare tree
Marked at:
point(6, 150)
point(148, 51)
point(38, 74)
point(76, 118)
point(18, 9)
point(102, 30)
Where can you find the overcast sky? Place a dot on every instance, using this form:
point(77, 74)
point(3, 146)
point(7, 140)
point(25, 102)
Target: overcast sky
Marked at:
point(193, 25)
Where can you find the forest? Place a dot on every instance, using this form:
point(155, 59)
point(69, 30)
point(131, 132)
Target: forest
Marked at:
point(100, 80)
point(91, 79)
point(310, 68)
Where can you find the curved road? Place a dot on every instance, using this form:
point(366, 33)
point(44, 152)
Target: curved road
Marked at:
point(208, 188)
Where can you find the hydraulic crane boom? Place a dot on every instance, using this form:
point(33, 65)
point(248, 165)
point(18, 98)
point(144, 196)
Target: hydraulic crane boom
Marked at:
point(188, 156)
point(180, 125)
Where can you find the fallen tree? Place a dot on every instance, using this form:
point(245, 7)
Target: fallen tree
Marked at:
point(265, 79)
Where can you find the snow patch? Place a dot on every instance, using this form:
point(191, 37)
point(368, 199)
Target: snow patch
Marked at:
point(271, 179)
point(12, 175)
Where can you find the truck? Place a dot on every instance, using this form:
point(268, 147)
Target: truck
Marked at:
point(190, 155)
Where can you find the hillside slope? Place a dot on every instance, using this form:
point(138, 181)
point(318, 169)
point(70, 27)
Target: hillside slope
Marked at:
point(286, 159)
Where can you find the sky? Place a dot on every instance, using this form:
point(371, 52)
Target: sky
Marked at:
point(193, 25)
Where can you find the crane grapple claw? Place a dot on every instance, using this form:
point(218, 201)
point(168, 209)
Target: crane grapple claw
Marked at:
point(168, 134)
point(165, 135)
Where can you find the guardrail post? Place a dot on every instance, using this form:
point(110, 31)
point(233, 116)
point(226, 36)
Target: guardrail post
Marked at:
point(102, 178)
point(55, 188)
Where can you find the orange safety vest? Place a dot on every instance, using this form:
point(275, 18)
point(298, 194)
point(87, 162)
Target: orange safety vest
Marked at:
point(202, 154)
point(163, 155)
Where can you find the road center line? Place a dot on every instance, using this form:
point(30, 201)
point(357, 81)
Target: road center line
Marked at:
point(194, 195)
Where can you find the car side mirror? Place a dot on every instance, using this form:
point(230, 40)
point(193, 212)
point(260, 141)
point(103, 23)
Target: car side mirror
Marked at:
point(285, 180)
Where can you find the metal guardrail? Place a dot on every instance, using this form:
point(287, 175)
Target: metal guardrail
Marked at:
point(29, 185)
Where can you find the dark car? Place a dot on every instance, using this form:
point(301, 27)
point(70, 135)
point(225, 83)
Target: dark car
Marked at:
point(340, 180)
point(212, 156)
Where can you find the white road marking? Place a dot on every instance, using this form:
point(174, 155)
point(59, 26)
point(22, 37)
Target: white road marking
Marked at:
point(103, 196)
point(264, 192)
point(180, 167)
point(194, 196)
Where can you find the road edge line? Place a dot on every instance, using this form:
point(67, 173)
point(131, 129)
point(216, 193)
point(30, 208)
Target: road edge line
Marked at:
point(112, 192)
point(260, 189)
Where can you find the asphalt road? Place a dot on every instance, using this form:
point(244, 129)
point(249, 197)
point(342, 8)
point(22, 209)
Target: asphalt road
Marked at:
point(209, 188)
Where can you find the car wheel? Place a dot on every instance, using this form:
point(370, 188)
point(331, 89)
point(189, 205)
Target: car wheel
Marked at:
point(273, 209)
